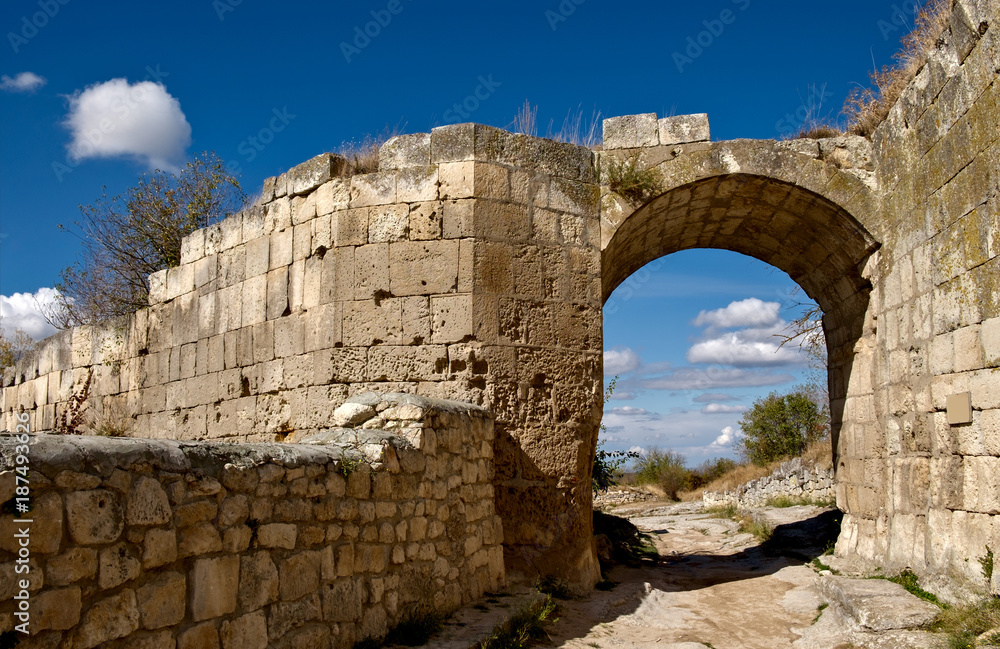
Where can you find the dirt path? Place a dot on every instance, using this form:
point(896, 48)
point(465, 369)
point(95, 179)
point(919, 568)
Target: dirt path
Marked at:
point(713, 587)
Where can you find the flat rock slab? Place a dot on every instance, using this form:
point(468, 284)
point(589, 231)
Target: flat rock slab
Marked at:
point(878, 604)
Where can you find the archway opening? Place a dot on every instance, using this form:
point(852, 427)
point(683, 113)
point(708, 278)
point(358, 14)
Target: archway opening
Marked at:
point(822, 248)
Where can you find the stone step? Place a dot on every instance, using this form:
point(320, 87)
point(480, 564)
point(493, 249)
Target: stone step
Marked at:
point(877, 604)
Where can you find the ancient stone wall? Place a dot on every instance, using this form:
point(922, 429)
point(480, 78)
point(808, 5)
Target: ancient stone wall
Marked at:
point(793, 480)
point(466, 268)
point(920, 491)
point(148, 543)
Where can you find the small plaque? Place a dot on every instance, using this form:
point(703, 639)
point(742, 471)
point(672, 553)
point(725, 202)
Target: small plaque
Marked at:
point(959, 408)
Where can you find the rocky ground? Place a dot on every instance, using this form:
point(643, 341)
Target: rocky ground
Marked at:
point(716, 587)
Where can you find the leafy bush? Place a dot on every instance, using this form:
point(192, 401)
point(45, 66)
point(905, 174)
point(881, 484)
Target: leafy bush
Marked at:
point(780, 426)
point(664, 469)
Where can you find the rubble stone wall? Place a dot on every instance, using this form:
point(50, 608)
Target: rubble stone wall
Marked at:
point(148, 543)
point(792, 480)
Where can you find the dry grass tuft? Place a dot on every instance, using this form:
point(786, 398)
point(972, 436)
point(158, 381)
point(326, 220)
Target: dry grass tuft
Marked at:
point(820, 132)
point(362, 155)
point(867, 108)
point(575, 128)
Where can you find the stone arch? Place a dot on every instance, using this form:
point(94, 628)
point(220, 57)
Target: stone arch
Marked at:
point(821, 246)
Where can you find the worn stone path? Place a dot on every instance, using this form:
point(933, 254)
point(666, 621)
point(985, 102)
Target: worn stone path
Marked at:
point(714, 587)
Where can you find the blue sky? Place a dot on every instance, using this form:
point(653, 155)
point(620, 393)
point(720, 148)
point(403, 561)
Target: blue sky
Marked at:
point(269, 85)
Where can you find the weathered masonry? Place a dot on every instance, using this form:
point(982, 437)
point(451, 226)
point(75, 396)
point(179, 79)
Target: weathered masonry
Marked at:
point(474, 265)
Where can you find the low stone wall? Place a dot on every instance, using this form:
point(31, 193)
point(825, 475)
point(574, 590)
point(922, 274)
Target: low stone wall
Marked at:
point(614, 497)
point(791, 480)
point(154, 543)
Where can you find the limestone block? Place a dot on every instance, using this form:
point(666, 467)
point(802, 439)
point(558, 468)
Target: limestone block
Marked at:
point(158, 287)
point(232, 231)
point(203, 636)
point(159, 548)
point(257, 256)
point(333, 196)
point(280, 249)
point(193, 246)
point(457, 180)
point(147, 503)
point(350, 227)
point(180, 280)
point(425, 220)
point(457, 218)
point(214, 585)
point(304, 178)
point(94, 517)
point(57, 610)
point(451, 318)
point(254, 223)
point(162, 601)
point(968, 351)
point(258, 581)
point(278, 214)
point(683, 129)
point(630, 131)
point(417, 184)
point(110, 618)
point(423, 267)
point(981, 487)
point(199, 539)
point(410, 363)
point(343, 601)
point(277, 535)
point(405, 151)
point(373, 189)
point(245, 632)
point(46, 530)
point(388, 223)
point(372, 322)
point(117, 565)
point(352, 414)
point(371, 271)
point(299, 575)
point(72, 565)
point(990, 337)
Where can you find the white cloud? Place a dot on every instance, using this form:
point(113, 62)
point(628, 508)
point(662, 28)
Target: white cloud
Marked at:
point(22, 82)
point(727, 438)
point(620, 361)
point(711, 397)
point(629, 411)
point(750, 312)
point(119, 119)
point(718, 408)
point(713, 378)
point(638, 449)
point(740, 349)
point(24, 311)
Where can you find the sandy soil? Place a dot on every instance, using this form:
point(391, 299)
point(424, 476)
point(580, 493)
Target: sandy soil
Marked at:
point(713, 587)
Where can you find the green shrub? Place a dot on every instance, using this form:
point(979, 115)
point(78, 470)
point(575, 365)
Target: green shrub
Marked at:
point(780, 426)
point(630, 178)
point(523, 628)
point(664, 469)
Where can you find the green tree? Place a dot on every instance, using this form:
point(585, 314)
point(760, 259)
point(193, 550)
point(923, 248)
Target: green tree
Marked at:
point(138, 232)
point(780, 426)
point(665, 469)
point(14, 347)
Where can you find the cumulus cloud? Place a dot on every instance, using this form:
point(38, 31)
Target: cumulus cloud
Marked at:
point(620, 361)
point(22, 82)
point(750, 312)
point(727, 438)
point(714, 378)
point(25, 311)
point(744, 349)
point(718, 409)
point(118, 119)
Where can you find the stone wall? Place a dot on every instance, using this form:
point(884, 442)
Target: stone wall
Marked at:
point(918, 491)
point(466, 268)
point(148, 543)
point(793, 480)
